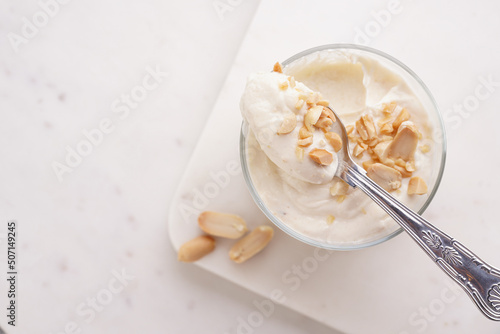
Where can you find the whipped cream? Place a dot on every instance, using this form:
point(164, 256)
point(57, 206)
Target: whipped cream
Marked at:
point(298, 192)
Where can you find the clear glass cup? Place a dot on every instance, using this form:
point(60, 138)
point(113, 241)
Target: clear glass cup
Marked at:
point(439, 147)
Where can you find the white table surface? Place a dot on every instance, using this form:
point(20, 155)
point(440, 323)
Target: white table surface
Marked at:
point(109, 214)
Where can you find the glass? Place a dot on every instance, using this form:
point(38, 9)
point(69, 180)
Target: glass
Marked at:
point(439, 137)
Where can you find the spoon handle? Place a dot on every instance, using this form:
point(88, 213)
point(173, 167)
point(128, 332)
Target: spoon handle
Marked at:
point(479, 280)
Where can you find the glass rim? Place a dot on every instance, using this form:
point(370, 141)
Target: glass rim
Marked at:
point(313, 242)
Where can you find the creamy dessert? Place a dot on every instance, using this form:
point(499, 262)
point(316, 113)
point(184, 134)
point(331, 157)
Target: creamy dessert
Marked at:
point(292, 152)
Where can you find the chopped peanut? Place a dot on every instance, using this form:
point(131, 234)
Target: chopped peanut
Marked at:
point(283, 85)
point(321, 156)
point(403, 171)
point(386, 129)
point(425, 148)
point(386, 177)
point(389, 107)
point(334, 140)
point(367, 164)
point(339, 188)
point(277, 68)
point(312, 99)
point(299, 153)
point(305, 142)
point(417, 186)
point(366, 127)
point(299, 104)
point(288, 125)
point(358, 150)
point(304, 133)
point(340, 198)
point(327, 112)
point(349, 129)
point(405, 142)
point(312, 116)
point(324, 123)
point(403, 116)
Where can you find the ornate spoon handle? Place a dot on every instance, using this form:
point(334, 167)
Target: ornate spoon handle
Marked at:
point(479, 280)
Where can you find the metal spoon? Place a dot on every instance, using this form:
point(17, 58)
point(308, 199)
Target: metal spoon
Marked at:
point(479, 280)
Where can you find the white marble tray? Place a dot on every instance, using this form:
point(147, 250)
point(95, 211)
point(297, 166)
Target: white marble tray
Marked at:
point(390, 288)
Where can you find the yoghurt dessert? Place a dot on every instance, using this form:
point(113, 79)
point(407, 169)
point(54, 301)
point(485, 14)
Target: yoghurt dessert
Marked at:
point(292, 153)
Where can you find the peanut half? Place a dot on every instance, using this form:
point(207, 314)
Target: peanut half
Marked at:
point(196, 248)
point(304, 133)
point(222, 224)
point(251, 244)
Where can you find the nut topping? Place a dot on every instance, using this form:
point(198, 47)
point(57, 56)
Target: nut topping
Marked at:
point(366, 127)
point(388, 108)
point(312, 116)
point(403, 171)
point(299, 104)
point(367, 164)
point(386, 129)
point(358, 150)
point(277, 68)
point(386, 177)
point(380, 150)
point(299, 153)
point(312, 99)
point(321, 156)
point(340, 198)
point(417, 186)
point(405, 142)
point(334, 140)
point(410, 166)
point(349, 129)
point(327, 112)
point(288, 125)
point(305, 142)
point(403, 116)
point(330, 219)
point(304, 133)
point(339, 188)
point(324, 123)
point(425, 148)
